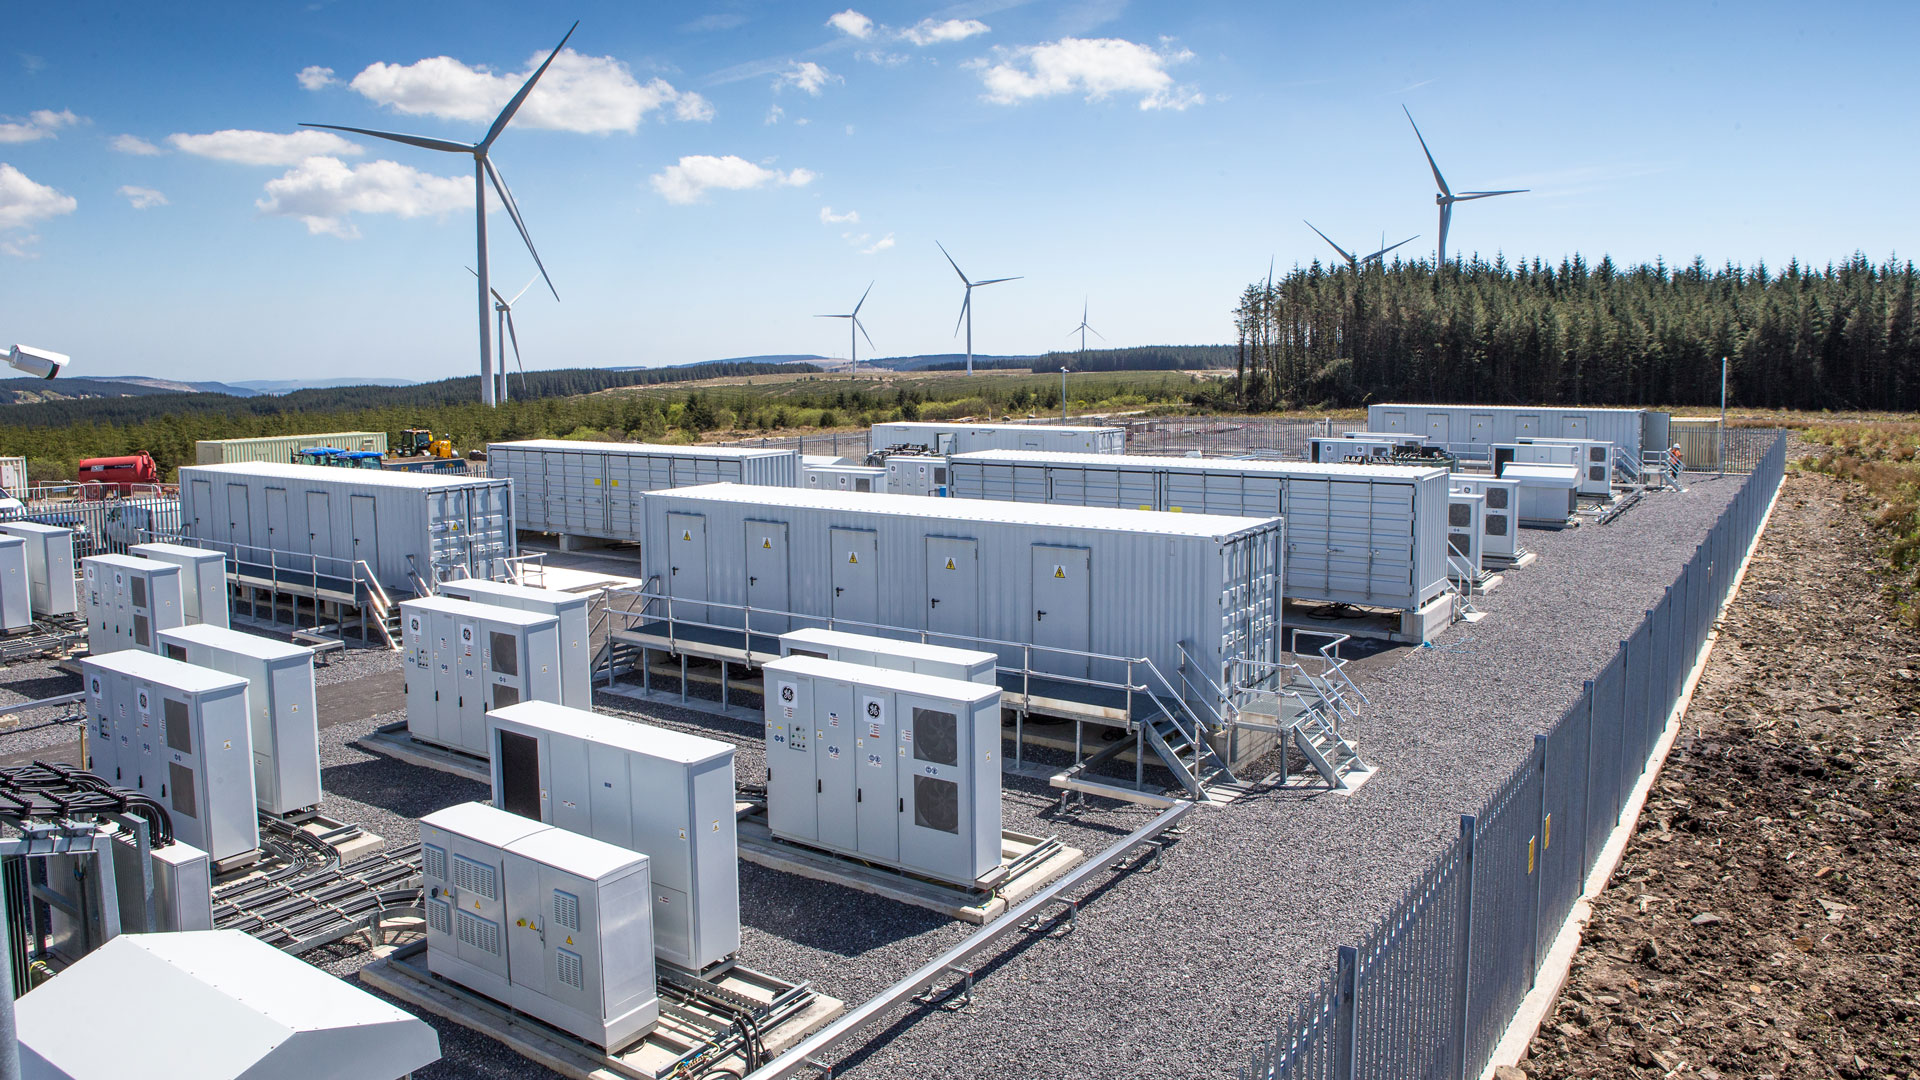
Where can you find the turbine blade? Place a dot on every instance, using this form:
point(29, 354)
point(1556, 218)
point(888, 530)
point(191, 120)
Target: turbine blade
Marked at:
point(963, 313)
point(523, 291)
point(833, 316)
point(521, 364)
point(1096, 333)
point(994, 281)
point(513, 211)
point(1465, 195)
point(862, 327)
point(498, 299)
point(506, 114)
point(950, 262)
point(1269, 273)
point(863, 299)
point(1344, 253)
point(1437, 178)
point(421, 141)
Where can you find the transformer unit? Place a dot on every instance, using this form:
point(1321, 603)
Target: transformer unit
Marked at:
point(16, 586)
point(49, 566)
point(916, 474)
point(1466, 529)
point(887, 766)
point(662, 793)
point(958, 438)
point(179, 733)
point(1500, 531)
point(822, 473)
point(1549, 494)
point(967, 665)
point(203, 579)
point(280, 704)
point(1594, 460)
point(129, 601)
point(576, 659)
point(548, 922)
point(464, 659)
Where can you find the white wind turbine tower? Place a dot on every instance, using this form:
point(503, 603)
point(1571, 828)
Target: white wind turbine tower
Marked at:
point(1083, 329)
point(1354, 263)
point(853, 324)
point(966, 305)
point(503, 332)
point(483, 171)
point(1445, 198)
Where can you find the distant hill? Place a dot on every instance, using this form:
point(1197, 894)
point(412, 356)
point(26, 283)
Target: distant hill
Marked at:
point(34, 391)
point(770, 358)
point(287, 386)
point(176, 386)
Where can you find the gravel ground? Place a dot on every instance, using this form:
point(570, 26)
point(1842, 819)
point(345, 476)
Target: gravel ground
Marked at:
point(1181, 972)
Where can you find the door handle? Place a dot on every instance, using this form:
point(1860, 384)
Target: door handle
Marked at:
point(1039, 616)
point(673, 571)
point(933, 601)
point(837, 590)
point(818, 787)
point(751, 580)
point(858, 794)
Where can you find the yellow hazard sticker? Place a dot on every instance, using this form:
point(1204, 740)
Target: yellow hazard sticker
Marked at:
point(686, 535)
point(853, 558)
point(1546, 839)
point(569, 939)
point(1174, 509)
point(1530, 841)
point(949, 562)
point(766, 542)
point(596, 481)
point(1060, 571)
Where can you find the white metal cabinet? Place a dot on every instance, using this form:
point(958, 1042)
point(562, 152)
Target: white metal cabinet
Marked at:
point(203, 579)
point(49, 566)
point(576, 653)
point(281, 702)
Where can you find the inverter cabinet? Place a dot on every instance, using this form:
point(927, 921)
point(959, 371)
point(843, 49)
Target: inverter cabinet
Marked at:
point(665, 794)
point(281, 707)
point(203, 579)
point(16, 585)
point(967, 665)
point(1593, 459)
point(1548, 494)
point(1500, 512)
point(576, 653)
point(887, 766)
point(463, 659)
point(129, 601)
point(49, 566)
point(1466, 528)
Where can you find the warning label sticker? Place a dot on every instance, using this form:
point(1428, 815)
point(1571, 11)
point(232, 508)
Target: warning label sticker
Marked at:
point(949, 562)
point(1060, 571)
point(853, 557)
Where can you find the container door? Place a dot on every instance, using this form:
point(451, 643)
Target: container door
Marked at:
point(1575, 426)
point(687, 564)
point(791, 784)
point(320, 529)
point(278, 538)
point(834, 735)
point(876, 785)
point(366, 532)
point(953, 591)
point(593, 491)
point(519, 773)
point(240, 521)
point(1480, 428)
point(767, 594)
point(1062, 608)
point(1439, 427)
point(471, 687)
point(1525, 425)
point(1393, 421)
point(856, 579)
point(935, 820)
point(202, 507)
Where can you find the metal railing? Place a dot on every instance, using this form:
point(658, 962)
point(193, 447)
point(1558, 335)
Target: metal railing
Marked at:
point(1429, 989)
point(105, 526)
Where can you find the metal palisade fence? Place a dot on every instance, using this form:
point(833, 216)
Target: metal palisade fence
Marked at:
point(1429, 990)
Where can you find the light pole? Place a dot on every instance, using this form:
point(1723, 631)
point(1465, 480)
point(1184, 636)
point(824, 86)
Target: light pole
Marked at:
point(1063, 395)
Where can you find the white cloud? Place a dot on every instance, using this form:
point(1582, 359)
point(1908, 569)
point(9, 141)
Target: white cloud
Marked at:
point(828, 217)
point(321, 191)
point(39, 124)
point(933, 32)
point(883, 59)
point(586, 94)
point(142, 198)
point(852, 24)
point(774, 114)
point(263, 147)
point(693, 176)
point(1096, 67)
point(23, 202)
point(135, 145)
point(718, 21)
point(315, 77)
point(879, 245)
point(807, 76)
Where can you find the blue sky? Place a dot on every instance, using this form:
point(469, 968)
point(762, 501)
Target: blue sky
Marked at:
point(687, 170)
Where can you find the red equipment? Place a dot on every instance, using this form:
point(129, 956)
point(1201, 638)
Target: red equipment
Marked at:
point(120, 472)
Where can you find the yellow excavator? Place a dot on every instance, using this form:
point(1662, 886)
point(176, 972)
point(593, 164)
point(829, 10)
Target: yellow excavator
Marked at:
point(419, 442)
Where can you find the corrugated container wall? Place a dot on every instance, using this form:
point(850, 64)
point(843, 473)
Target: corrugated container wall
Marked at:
point(970, 572)
point(289, 519)
point(1632, 430)
point(282, 449)
point(966, 438)
point(593, 488)
point(1356, 534)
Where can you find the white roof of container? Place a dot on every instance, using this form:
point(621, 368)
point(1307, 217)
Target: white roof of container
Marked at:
point(369, 477)
point(133, 562)
point(508, 588)
point(1009, 513)
point(220, 637)
point(1239, 465)
point(995, 427)
point(183, 550)
point(33, 527)
point(891, 646)
point(817, 461)
point(483, 823)
point(1530, 473)
point(212, 1005)
point(576, 854)
point(282, 438)
point(908, 682)
point(612, 731)
point(188, 678)
point(644, 448)
point(1509, 408)
point(471, 610)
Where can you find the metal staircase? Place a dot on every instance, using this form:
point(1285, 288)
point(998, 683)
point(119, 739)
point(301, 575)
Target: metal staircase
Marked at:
point(386, 613)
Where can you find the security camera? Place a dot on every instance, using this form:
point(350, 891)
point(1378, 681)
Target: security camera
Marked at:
point(37, 362)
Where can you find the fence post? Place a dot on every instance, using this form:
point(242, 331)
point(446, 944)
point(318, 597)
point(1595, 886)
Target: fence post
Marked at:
point(1626, 709)
point(1586, 823)
point(1463, 969)
point(1346, 989)
point(1537, 860)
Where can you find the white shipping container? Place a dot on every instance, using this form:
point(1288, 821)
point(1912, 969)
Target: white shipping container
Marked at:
point(594, 488)
point(287, 520)
point(1500, 516)
point(967, 665)
point(16, 586)
point(576, 652)
point(1372, 535)
point(665, 794)
point(49, 566)
point(129, 601)
point(283, 449)
point(463, 660)
point(943, 438)
point(281, 707)
point(203, 579)
point(1632, 430)
point(969, 572)
point(179, 733)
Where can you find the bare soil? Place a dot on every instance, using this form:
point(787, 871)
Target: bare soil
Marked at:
point(1762, 922)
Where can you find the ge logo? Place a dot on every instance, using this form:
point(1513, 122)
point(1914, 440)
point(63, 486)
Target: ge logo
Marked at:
point(873, 709)
point(786, 693)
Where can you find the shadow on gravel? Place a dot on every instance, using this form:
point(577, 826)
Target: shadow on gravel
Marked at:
point(43, 686)
point(831, 918)
point(395, 786)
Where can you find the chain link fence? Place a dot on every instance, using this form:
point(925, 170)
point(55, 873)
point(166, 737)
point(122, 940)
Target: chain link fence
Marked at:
point(1429, 990)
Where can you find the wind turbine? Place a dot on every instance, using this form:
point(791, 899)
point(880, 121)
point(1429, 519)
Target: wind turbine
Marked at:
point(966, 305)
point(1445, 198)
point(483, 171)
point(503, 332)
point(1355, 263)
point(853, 324)
point(1083, 328)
